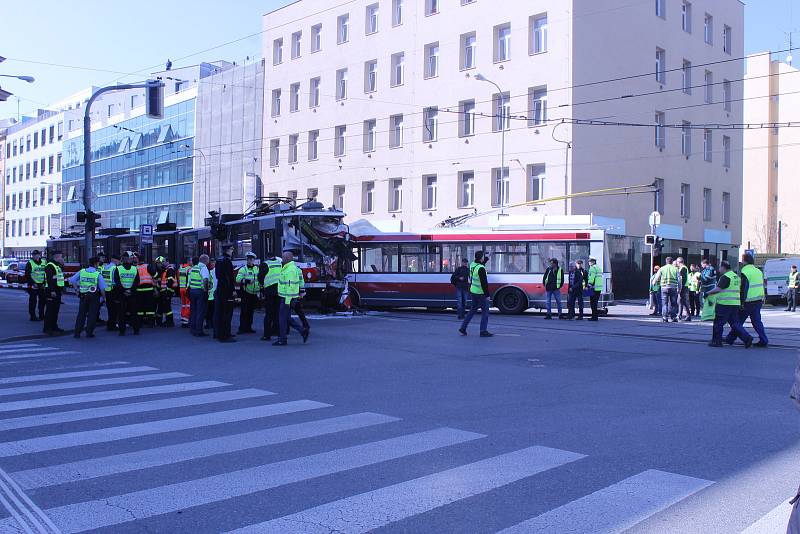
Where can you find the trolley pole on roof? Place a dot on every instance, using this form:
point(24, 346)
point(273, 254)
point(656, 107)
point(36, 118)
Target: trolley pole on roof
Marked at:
point(155, 110)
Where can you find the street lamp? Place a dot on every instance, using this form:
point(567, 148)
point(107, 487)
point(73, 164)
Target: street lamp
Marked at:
point(502, 121)
point(204, 171)
point(29, 79)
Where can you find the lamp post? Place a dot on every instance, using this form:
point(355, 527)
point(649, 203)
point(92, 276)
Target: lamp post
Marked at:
point(566, 166)
point(502, 121)
point(204, 172)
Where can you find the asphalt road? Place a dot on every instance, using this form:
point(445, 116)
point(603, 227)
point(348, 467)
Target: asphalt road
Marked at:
point(393, 421)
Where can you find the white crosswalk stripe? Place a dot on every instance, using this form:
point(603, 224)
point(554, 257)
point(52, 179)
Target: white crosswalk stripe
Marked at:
point(774, 522)
point(120, 509)
point(88, 365)
point(4, 346)
point(21, 350)
point(617, 507)
point(381, 507)
point(6, 392)
point(45, 355)
point(74, 374)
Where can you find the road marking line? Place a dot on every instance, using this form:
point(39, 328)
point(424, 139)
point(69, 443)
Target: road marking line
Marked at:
point(123, 409)
point(774, 522)
point(90, 365)
point(44, 355)
point(3, 346)
point(64, 400)
point(5, 392)
point(116, 433)
point(182, 452)
point(29, 349)
point(74, 374)
point(615, 508)
point(381, 507)
point(37, 522)
point(120, 509)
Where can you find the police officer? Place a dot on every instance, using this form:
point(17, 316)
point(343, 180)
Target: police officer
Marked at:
point(577, 283)
point(54, 286)
point(212, 288)
point(126, 282)
point(247, 282)
point(791, 291)
point(594, 281)
point(752, 297)
point(198, 294)
point(34, 274)
point(289, 282)
point(166, 284)
point(107, 271)
point(479, 291)
point(269, 272)
point(727, 308)
point(91, 287)
point(224, 296)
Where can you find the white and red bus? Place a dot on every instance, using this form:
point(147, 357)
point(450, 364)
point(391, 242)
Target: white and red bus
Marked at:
point(396, 270)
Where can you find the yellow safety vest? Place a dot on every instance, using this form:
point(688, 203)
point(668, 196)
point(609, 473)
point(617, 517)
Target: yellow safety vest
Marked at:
point(793, 280)
point(89, 282)
point(59, 274)
point(596, 278)
point(195, 280)
point(274, 272)
point(248, 276)
point(474, 275)
point(126, 276)
point(755, 283)
point(37, 271)
point(669, 275)
point(108, 274)
point(289, 282)
point(730, 296)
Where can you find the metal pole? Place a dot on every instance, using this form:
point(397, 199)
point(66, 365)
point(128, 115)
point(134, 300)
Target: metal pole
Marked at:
point(566, 178)
point(780, 236)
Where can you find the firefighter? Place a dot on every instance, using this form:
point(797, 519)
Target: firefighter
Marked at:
point(183, 282)
point(107, 271)
point(247, 280)
point(126, 282)
point(34, 274)
point(268, 273)
point(54, 285)
point(146, 294)
point(166, 284)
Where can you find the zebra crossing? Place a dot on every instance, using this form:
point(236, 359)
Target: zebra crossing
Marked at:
point(78, 424)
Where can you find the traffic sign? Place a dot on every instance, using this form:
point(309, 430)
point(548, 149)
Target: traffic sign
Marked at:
point(654, 219)
point(751, 252)
point(146, 234)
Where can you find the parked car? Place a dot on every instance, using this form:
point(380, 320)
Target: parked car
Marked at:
point(5, 263)
point(9, 271)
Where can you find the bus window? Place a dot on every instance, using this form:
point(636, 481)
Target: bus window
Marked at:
point(189, 247)
point(507, 258)
point(434, 259)
point(452, 253)
point(540, 254)
point(579, 251)
point(379, 259)
point(241, 239)
point(413, 259)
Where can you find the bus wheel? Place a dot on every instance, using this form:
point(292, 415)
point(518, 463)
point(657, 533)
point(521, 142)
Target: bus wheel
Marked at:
point(511, 301)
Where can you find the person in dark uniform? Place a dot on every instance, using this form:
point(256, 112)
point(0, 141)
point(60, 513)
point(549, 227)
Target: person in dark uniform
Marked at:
point(577, 283)
point(729, 300)
point(167, 284)
point(224, 296)
point(126, 282)
point(269, 272)
point(91, 289)
point(54, 286)
point(34, 275)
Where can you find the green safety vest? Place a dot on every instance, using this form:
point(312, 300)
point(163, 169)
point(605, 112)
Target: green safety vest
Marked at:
point(37, 271)
point(669, 275)
point(108, 274)
point(559, 276)
point(127, 275)
point(686, 270)
point(730, 296)
point(195, 279)
point(289, 282)
point(755, 283)
point(183, 276)
point(656, 286)
point(212, 284)
point(248, 275)
point(474, 275)
point(793, 280)
point(694, 282)
point(596, 278)
point(59, 274)
point(89, 282)
point(274, 272)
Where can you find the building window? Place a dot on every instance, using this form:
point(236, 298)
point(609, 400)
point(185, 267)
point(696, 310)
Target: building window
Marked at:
point(276, 102)
point(686, 72)
point(502, 111)
point(686, 16)
point(370, 127)
point(339, 146)
point(35, 167)
point(706, 204)
point(660, 131)
point(431, 7)
point(396, 194)
point(468, 44)
point(277, 54)
point(293, 196)
point(430, 118)
point(371, 76)
point(430, 192)
point(316, 38)
point(501, 186)
point(661, 9)
point(709, 87)
point(313, 145)
point(708, 29)
point(432, 60)
point(313, 92)
point(726, 91)
point(293, 139)
point(396, 131)
point(727, 39)
point(467, 123)
point(398, 66)
point(661, 66)
point(685, 201)
point(538, 32)
point(294, 97)
point(726, 208)
point(708, 145)
point(58, 162)
point(312, 193)
point(338, 197)
point(61, 130)
point(343, 29)
point(658, 200)
point(51, 164)
point(372, 19)
point(726, 151)
point(28, 143)
point(367, 197)
point(274, 152)
point(297, 43)
point(341, 84)
point(502, 42)
point(686, 139)
point(537, 105)
point(466, 195)
point(397, 12)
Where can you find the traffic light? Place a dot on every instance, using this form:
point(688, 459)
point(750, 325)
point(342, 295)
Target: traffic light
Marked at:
point(658, 246)
point(154, 99)
point(650, 239)
point(89, 218)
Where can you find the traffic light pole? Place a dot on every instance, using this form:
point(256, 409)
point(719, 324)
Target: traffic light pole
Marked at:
point(91, 218)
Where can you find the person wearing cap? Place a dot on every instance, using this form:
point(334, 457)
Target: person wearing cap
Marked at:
point(146, 292)
point(594, 281)
point(290, 283)
point(212, 287)
point(198, 294)
point(269, 271)
point(34, 274)
point(247, 281)
point(183, 284)
point(54, 286)
point(107, 271)
point(91, 287)
point(224, 295)
point(126, 281)
point(165, 278)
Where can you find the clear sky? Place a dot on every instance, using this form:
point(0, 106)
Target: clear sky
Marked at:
point(117, 37)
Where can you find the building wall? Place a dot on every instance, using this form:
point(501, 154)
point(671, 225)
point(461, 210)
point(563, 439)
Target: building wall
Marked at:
point(2, 191)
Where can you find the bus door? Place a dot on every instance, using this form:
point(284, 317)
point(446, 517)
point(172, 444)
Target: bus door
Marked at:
point(421, 280)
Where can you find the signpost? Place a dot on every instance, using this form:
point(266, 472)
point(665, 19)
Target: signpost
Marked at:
point(146, 234)
point(654, 220)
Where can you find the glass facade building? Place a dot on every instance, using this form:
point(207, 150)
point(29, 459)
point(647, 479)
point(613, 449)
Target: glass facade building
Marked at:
point(141, 171)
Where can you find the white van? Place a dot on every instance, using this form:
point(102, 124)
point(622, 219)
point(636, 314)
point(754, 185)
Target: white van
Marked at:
point(776, 277)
